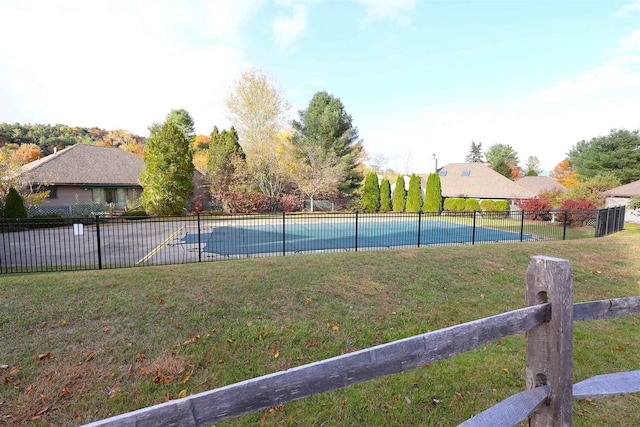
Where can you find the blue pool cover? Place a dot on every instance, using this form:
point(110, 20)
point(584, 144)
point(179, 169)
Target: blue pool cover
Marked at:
point(299, 237)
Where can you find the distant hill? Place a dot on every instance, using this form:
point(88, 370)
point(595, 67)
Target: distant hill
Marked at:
point(48, 137)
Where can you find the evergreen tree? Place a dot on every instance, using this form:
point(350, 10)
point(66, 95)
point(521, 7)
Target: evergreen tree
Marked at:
point(433, 196)
point(414, 196)
point(14, 205)
point(371, 193)
point(399, 195)
point(224, 154)
point(475, 153)
point(503, 168)
point(183, 120)
point(326, 123)
point(167, 178)
point(385, 195)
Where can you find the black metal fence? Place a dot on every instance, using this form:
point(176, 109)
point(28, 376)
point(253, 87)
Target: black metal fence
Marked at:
point(63, 244)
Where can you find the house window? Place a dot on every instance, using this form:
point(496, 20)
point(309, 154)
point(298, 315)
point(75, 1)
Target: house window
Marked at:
point(466, 173)
point(110, 195)
point(443, 173)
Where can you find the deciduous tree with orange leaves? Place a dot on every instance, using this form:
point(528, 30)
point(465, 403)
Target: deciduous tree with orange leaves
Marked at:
point(564, 174)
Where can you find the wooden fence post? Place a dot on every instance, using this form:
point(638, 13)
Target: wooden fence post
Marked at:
point(550, 345)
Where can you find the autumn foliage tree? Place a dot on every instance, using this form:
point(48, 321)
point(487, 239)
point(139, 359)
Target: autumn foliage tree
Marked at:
point(27, 153)
point(564, 174)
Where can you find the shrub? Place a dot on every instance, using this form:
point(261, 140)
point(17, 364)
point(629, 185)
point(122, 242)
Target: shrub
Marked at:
point(454, 204)
point(371, 193)
point(399, 195)
point(14, 205)
point(471, 205)
point(488, 205)
point(502, 206)
point(579, 211)
point(634, 203)
point(414, 197)
point(385, 195)
point(538, 206)
point(135, 213)
point(291, 202)
point(247, 202)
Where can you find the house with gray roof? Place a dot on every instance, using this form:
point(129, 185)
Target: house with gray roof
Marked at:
point(479, 181)
point(86, 174)
point(621, 196)
point(541, 184)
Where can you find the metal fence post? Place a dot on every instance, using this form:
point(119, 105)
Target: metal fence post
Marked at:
point(98, 242)
point(199, 241)
point(550, 344)
point(419, 226)
point(473, 232)
point(521, 225)
point(356, 245)
point(564, 228)
point(284, 241)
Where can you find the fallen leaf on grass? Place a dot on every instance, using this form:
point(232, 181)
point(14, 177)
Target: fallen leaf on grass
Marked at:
point(114, 390)
point(66, 390)
point(620, 348)
point(44, 356)
point(191, 340)
point(313, 344)
point(106, 329)
point(249, 323)
point(89, 357)
point(182, 394)
point(506, 371)
point(184, 379)
point(14, 370)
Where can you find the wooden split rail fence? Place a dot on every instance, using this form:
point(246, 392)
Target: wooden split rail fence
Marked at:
point(546, 401)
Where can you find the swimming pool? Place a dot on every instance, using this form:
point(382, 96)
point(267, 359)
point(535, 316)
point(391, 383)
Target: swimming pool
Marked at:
point(305, 236)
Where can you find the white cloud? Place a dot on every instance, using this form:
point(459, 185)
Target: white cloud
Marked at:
point(119, 64)
point(287, 28)
point(629, 8)
point(393, 10)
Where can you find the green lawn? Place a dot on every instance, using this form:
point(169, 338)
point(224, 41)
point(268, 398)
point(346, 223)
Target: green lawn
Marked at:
point(81, 346)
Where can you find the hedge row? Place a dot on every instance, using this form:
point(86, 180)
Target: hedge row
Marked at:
point(459, 204)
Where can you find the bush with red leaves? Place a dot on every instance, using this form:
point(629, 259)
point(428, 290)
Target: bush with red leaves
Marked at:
point(579, 211)
point(537, 208)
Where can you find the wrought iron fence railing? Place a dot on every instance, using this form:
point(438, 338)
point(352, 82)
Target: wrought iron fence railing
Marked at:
point(85, 243)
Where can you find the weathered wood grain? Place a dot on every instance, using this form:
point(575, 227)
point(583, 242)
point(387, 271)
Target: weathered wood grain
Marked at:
point(607, 384)
point(216, 405)
point(550, 345)
point(511, 411)
point(606, 309)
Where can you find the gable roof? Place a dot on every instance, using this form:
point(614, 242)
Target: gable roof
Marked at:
point(477, 180)
point(628, 190)
point(83, 164)
point(540, 184)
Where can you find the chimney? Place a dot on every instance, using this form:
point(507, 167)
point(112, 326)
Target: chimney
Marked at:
point(433, 165)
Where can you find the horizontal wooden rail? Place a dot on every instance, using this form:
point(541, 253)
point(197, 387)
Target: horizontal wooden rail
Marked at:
point(270, 390)
point(514, 409)
point(511, 411)
point(606, 309)
point(607, 384)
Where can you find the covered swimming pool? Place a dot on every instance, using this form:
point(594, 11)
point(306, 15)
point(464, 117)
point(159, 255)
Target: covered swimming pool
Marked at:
point(306, 236)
